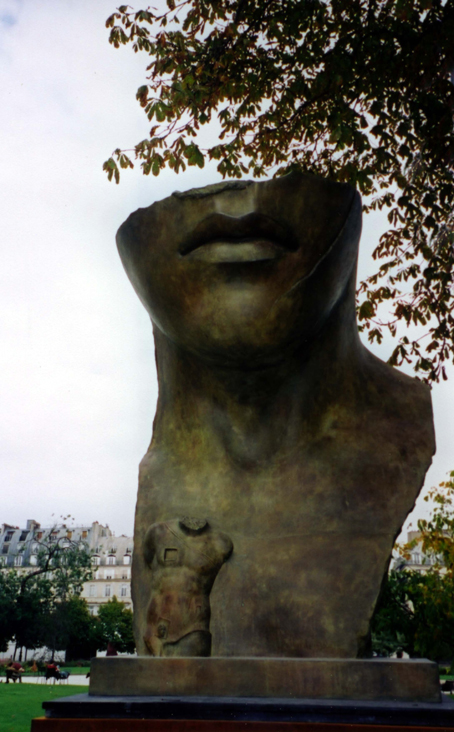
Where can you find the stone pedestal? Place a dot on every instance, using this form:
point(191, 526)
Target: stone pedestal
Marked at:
point(253, 695)
point(285, 678)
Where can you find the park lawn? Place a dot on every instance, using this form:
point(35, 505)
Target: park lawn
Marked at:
point(78, 670)
point(19, 703)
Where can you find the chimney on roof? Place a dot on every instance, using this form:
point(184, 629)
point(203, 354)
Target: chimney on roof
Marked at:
point(32, 524)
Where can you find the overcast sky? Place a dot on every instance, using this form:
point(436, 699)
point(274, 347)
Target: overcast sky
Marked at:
point(78, 384)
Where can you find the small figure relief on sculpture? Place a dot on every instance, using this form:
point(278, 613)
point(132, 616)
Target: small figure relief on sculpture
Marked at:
point(185, 556)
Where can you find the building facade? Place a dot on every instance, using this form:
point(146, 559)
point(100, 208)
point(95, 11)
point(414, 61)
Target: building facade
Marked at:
point(417, 560)
point(111, 556)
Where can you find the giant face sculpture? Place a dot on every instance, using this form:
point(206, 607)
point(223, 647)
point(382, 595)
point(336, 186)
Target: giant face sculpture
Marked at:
point(274, 425)
point(244, 271)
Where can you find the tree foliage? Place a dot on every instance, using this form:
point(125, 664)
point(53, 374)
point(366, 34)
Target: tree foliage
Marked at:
point(415, 614)
point(116, 626)
point(358, 90)
point(40, 606)
point(30, 598)
point(68, 563)
point(70, 626)
point(437, 533)
point(24, 608)
point(415, 611)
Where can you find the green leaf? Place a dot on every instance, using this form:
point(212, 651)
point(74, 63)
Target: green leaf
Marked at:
point(366, 310)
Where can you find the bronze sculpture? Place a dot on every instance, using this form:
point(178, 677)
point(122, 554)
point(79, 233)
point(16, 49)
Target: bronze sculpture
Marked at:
point(274, 422)
point(184, 557)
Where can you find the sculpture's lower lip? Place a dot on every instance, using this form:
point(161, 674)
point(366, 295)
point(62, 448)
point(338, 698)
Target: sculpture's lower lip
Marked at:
point(250, 250)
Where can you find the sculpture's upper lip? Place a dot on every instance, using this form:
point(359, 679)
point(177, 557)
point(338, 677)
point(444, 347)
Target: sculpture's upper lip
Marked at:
point(235, 230)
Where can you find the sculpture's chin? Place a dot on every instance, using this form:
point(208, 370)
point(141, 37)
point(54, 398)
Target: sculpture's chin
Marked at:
point(255, 314)
point(243, 325)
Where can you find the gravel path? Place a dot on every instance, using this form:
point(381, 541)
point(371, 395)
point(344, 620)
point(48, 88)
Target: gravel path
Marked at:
point(74, 680)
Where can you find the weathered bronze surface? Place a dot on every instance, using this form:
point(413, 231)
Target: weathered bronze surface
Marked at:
point(184, 557)
point(282, 678)
point(273, 422)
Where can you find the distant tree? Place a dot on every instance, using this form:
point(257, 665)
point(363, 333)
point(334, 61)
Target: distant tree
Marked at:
point(66, 562)
point(357, 90)
point(392, 625)
point(29, 596)
point(415, 611)
point(415, 614)
point(8, 593)
point(116, 626)
point(70, 627)
point(24, 609)
point(436, 534)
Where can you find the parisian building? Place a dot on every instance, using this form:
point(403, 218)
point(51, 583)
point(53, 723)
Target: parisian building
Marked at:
point(111, 556)
point(416, 560)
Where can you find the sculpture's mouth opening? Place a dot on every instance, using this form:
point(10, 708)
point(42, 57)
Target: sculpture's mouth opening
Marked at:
point(252, 238)
point(236, 250)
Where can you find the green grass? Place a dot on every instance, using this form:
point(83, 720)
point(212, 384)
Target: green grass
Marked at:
point(79, 670)
point(19, 703)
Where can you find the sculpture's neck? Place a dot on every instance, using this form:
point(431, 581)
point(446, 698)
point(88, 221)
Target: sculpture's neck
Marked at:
point(254, 414)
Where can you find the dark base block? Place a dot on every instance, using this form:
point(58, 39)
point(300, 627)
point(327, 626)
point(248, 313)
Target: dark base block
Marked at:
point(138, 725)
point(84, 713)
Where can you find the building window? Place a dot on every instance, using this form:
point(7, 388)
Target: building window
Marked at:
point(2, 561)
point(92, 592)
point(5, 548)
point(33, 560)
point(127, 559)
point(125, 574)
point(123, 591)
point(39, 535)
point(96, 560)
point(9, 535)
point(69, 534)
point(23, 536)
point(108, 574)
point(35, 548)
point(107, 591)
point(111, 559)
point(84, 534)
point(18, 561)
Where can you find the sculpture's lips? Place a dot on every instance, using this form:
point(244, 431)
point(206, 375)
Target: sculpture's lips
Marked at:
point(253, 237)
point(236, 250)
